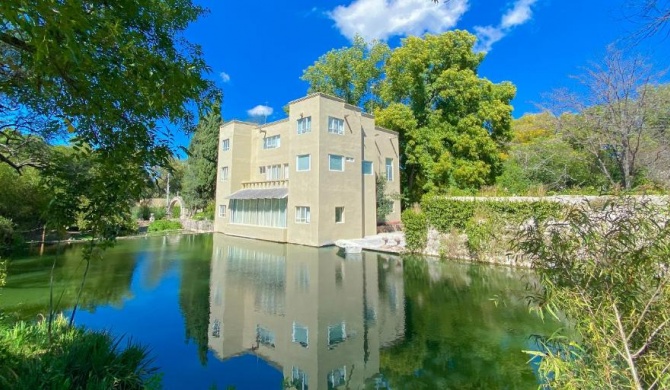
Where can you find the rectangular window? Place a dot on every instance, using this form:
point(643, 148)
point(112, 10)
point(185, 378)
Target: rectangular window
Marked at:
point(285, 171)
point(335, 125)
point(337, 333)
point(300, 335)
point(302, 214)
point(337, 377)
point(300, 379)
point(265, 336)
point(367, 168)
point(222, 210)
point(225, 144)
point(302, 163)
point(224, 173)
point(339, 214)
point(261, 212)
point(304, 125)
point(271, 142)
point(273, 172)
point(335, 162)
point(389, 169)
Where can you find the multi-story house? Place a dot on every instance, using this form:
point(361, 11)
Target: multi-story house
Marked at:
point(308, 179)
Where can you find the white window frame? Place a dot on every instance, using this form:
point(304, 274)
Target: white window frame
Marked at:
point(372, 168)
point(293, 338)
point(222, 210)
point(225, 144)
point(273, 172)
point(343, 326)
point(224, 173)
point(335, 125)
point(309, 163)
point(341, 214)
point(330, 167)
point(389, 169)
point(304, 125)
point(302, 214)
point(272, 142)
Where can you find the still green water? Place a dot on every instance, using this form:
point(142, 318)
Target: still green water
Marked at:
point(222, 311)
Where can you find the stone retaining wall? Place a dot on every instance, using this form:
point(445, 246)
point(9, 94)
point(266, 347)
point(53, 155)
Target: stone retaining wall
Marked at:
point(197, 226)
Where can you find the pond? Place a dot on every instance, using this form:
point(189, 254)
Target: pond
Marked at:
point(223, 312)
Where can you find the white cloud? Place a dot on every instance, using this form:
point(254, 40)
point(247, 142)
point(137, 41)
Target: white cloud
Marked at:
point(520, 12)
point(381, 19)
point(487, 36)
point(260, 110)
point(225, 77)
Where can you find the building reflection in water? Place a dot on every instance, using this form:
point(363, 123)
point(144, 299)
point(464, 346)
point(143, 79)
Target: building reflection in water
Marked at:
point(321, 318)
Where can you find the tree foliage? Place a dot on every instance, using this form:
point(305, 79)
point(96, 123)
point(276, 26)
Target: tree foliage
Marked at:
point(617, 120)
point(351, 73)
point(199, 185)
point(453, 124)
point(540, 156)
point(606, 269)
point(110, 74)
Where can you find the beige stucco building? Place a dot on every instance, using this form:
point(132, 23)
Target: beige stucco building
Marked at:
point(321, 319)
point(308, 179)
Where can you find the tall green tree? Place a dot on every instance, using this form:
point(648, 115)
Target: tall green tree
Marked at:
point(453, 124)
point(351, 73)
point(199, 184)
point(113, 74)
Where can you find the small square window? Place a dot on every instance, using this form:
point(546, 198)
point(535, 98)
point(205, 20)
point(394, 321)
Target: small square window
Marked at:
point(367, 168)
point(303, 163)
point(335, 125)
point(339, 214)
point(224, 173)
point(304, 125)
point(335, 162)
point(261, 170)
point(302, 214)
point(222, 210)
point(225, 144)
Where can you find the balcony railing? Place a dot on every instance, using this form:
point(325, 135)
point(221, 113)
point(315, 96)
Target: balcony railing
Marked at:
point(265, 184)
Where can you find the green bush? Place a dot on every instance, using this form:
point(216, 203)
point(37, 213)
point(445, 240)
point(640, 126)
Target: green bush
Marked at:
point(6, 234)
point(75, 358)
point(606, 270)
point(206, 214)
point(175, 211)
point(446, 214)
point(164, 224)
point(416, 230)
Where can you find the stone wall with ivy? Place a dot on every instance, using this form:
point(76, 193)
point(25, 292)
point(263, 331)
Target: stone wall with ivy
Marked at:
point(480, 229)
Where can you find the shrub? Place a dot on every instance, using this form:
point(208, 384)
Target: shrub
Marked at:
point(75, 358)
point(6, 234)
point(416, 230)
point(206, 214)
point(607, 271)
point(163, 225)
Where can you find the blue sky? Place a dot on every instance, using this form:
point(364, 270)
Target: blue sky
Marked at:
point(257, 50)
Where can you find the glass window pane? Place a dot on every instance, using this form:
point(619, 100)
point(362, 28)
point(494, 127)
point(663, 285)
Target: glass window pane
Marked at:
point(303, 162)
point(336, 163)
point(367, 167)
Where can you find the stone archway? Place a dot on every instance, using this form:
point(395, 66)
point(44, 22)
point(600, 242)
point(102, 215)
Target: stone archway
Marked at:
point(177, 201)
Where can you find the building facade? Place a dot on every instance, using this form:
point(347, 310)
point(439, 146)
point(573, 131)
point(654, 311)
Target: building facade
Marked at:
point(308, 179)
point(319, 318)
